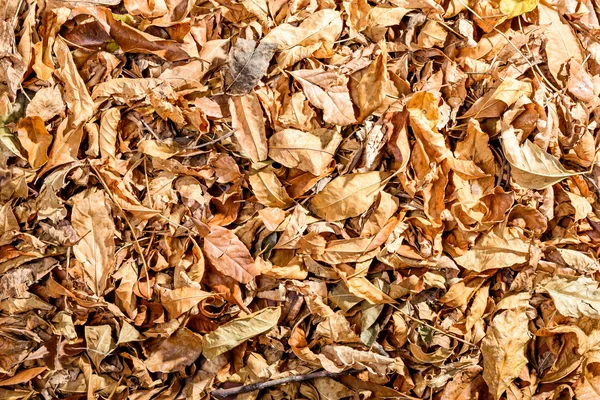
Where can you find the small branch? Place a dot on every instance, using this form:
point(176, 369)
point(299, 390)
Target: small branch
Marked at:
point(276, 382)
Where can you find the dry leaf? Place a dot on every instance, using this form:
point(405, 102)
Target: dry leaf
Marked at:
point(249, 126)
point(503, 350)
point(235, 332)
point(308, 151)
point(349, 195)
point(328, 92)
point(268, 190)
point(229, 255)
point(95, 249)
point(575, 297)
point(247, 64)
point(178, 351)
point(532, 167)
point(35, 139)
point(561, 43)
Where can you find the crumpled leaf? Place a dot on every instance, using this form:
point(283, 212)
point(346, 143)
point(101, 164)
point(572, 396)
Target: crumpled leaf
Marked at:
point(235, 332)
point(99, 342)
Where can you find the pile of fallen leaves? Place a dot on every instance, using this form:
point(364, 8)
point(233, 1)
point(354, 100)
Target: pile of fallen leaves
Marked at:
point(400, 195)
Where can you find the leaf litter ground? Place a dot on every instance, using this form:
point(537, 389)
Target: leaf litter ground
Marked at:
point(301, 199)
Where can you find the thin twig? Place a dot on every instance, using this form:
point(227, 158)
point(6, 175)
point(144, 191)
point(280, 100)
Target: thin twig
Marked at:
point(276, 382)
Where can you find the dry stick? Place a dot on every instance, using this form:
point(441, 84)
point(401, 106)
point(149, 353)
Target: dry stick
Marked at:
point(276, 382)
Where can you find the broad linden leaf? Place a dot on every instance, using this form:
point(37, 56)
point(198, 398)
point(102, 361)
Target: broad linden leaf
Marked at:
point(575, 297)
point(531, 166)
point(236, 332)
point(226, 252)
point(308, 151)
point(503, 350)
point(95, 249)
point(348, 196)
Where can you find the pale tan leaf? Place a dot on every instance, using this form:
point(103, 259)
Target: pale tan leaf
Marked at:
point(532, 167)
point(308, 151)
point(107, 136)
point(235, 332)
point(182, 299)
point(295, 43)
point(575, 298)
point(46, 104)
point(561, 43)
point(349, 195)
point(492, 251)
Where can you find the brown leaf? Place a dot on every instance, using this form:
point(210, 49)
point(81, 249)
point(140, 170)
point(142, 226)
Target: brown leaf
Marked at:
point(95, 249)
point(249, 126)
point(35, 139)
point(327, 91)
point(229, 255)
point(367, 86)
point(268, 189)
point(176, 352)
